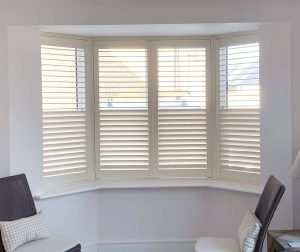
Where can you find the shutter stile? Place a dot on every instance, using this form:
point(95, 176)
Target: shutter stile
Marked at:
point(123, 113)
point(64, 114)
point(182, 124)
point(239, 113)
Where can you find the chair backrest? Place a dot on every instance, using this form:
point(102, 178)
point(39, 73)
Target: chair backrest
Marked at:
point(16, 200)
point(266, 207)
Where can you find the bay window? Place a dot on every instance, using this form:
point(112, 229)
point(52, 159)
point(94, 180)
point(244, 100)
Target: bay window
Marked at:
point(156, 108)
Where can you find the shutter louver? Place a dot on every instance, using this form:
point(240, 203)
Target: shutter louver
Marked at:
point(182, 131)
point(239, 112)
point(64, 114)
point(123, 113)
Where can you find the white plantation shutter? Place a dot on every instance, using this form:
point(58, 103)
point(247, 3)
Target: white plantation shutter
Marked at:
point(152, 110)
point(123, 110)
point(64, 111)
point(239, 109)
point(182, 109)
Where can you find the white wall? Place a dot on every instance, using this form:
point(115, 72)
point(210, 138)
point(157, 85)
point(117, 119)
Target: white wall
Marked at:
point(145, 215)
point(168, 205)
point(25, 104)
point(275, 72)
point(74, 217)
point(4, 105)
point(295, 38)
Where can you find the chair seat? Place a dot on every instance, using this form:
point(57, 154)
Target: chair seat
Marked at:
point(217, 244)
point(48, 245)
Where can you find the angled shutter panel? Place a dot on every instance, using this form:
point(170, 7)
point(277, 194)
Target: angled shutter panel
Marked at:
point(182, 119)
point(123, 112)
point(239, 110)
point(64, 112)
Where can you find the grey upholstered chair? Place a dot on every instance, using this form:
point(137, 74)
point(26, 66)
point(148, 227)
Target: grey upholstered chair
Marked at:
point(17, 202)
point(265, 209)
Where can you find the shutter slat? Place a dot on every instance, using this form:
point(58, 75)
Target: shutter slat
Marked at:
point(63, 173)
point(123, 143)
point(64, 151)
point(64, 141)
point(60, 135)
point(185, 166)
point(123, 167)
point(64, 156)
point(186, 152)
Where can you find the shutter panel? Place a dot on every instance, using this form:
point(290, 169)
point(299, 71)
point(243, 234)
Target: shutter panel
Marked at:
point(64, 112)
point(123, 111)
point(239, 110)
point(182, 119)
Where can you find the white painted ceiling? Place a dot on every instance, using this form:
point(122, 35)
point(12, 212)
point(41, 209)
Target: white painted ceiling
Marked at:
point(151, 29)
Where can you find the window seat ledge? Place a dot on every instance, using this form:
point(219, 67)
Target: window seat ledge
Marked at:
point(149, 183)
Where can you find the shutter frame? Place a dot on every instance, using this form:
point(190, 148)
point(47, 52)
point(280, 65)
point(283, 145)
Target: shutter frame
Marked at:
point(120, 171)
point(250, 156)
point(63, 159)
point(188, 172)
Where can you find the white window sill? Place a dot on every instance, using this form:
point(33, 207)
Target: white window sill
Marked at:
point(149, 183)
